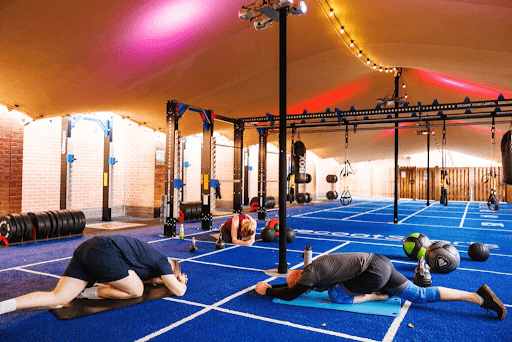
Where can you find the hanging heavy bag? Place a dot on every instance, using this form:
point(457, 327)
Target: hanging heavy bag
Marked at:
point(506, 157)
point(299, 162)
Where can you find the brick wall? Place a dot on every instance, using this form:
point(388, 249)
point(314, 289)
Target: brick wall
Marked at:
point(11, 160)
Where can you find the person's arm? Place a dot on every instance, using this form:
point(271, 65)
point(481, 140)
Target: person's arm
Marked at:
point(281, 291)
point(156, 280)
point(178, 286)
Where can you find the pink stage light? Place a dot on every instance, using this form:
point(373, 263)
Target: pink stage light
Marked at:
point(332, 98)
point(466, 88)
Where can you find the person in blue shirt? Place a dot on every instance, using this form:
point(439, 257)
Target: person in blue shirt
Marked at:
point(121, 264)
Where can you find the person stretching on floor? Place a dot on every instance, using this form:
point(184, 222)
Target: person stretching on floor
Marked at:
point(122, 263)
point(240, 230)
point(361, 277)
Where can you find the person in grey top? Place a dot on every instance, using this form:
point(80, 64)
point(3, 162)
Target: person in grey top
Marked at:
point(360, 277)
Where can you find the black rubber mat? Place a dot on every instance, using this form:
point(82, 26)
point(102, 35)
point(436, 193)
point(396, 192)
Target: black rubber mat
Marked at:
point(85, 307)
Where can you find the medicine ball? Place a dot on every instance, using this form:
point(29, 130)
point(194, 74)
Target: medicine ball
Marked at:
point(442, 257)
point(478, 251)
point(415, 246)
point(268, 234)
point(290, 235)
point(272, 223)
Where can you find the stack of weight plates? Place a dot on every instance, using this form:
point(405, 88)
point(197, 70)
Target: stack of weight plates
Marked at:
point(42, 225)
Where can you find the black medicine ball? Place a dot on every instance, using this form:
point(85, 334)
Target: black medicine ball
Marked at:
point(478, 251)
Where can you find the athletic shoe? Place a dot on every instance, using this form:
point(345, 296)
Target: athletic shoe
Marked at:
point(491, 301)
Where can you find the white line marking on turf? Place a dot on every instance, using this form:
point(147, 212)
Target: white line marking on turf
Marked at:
point(367, 212)
point(410, 224)
point(419, 211)
point(222, 265)
point(464, 216)
point(215, 305)
point(34, 264)
point(390, 335)
point(36, 272)
point(328, 209)
point(266, 319)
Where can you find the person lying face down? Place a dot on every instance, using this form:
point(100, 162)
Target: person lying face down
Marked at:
point(239, 229)
point(361, 277)
point(122, 263)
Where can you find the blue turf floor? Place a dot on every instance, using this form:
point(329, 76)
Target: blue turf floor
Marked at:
point(221, 305)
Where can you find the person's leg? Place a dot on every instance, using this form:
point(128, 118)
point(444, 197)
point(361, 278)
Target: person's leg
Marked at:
point(126, 288)
point(66, 290)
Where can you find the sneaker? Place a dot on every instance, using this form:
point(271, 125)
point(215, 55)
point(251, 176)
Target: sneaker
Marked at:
point(491, 301)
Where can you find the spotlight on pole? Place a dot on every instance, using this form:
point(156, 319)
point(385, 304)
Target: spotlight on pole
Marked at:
point(267, 11)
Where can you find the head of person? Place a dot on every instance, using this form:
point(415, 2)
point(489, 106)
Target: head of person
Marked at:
point(248, 228)
point(293, 277)
point(176, 268)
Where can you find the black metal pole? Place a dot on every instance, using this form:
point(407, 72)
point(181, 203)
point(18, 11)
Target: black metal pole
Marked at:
point(397, 84)
point(428, 165)
point(282, 266)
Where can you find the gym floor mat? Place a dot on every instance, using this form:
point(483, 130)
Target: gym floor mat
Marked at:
point(390, 307)
point(85, 307)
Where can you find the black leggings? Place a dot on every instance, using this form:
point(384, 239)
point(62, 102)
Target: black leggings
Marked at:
point(380, 276)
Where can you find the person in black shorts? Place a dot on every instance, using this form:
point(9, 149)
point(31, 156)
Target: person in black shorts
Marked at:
point(121, 264)
point(361, 277)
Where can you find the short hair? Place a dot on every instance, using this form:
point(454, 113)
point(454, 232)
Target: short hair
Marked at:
point(293, 277)
point(176, 268)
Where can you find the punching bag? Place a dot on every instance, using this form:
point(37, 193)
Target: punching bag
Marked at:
point(506, 157)
point(299, 162)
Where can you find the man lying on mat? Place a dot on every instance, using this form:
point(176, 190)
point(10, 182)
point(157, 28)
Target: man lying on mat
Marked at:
point(361, 277)
point(122, 263)
point(240, 230)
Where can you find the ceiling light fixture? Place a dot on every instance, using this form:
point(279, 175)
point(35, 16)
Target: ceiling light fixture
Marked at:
point(266, 12)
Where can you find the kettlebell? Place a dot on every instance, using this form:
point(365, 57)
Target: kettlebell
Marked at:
point(422, 275)
point(220, 243)
point(193, 247)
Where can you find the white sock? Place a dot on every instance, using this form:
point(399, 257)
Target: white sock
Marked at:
point(90, 292)
point(7, 306)
point(480, 298)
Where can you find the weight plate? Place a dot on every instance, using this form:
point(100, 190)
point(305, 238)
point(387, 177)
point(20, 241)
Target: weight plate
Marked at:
point(83, 220)
point(68, 222)
point(20, 225)
point(6, 228)
point(198, 206)
point(39, 225)
point(28, 226)
point(53, 222)
point(16, 228)
point(60, 223)
point(76, 227)
point(47, 222)
point(64, 229)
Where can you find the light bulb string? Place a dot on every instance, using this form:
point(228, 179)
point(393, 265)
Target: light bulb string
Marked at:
point(356, 50)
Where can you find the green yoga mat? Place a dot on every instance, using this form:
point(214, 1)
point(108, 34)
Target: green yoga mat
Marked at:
point(390, 307)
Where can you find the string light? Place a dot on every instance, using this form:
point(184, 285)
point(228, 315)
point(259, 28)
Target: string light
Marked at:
point(347, 40)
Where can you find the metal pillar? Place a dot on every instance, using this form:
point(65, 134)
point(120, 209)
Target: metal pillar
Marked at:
point(206, 169)
point(106, 214)
point(397, 179)
point(428, 164)
point(238, 168)
point(262, 174)
point(282, 266)
point(66, 135)
point(170, 216)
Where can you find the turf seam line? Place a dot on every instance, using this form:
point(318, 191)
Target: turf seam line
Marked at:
point(222, 265)
point(393, 328)
point(328, 209)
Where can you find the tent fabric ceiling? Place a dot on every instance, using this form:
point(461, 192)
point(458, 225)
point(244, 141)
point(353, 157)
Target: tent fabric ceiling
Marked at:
point(131, 57)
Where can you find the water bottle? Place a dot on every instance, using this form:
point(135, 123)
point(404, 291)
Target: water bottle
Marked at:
point(182, 232)
point(308, 255)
